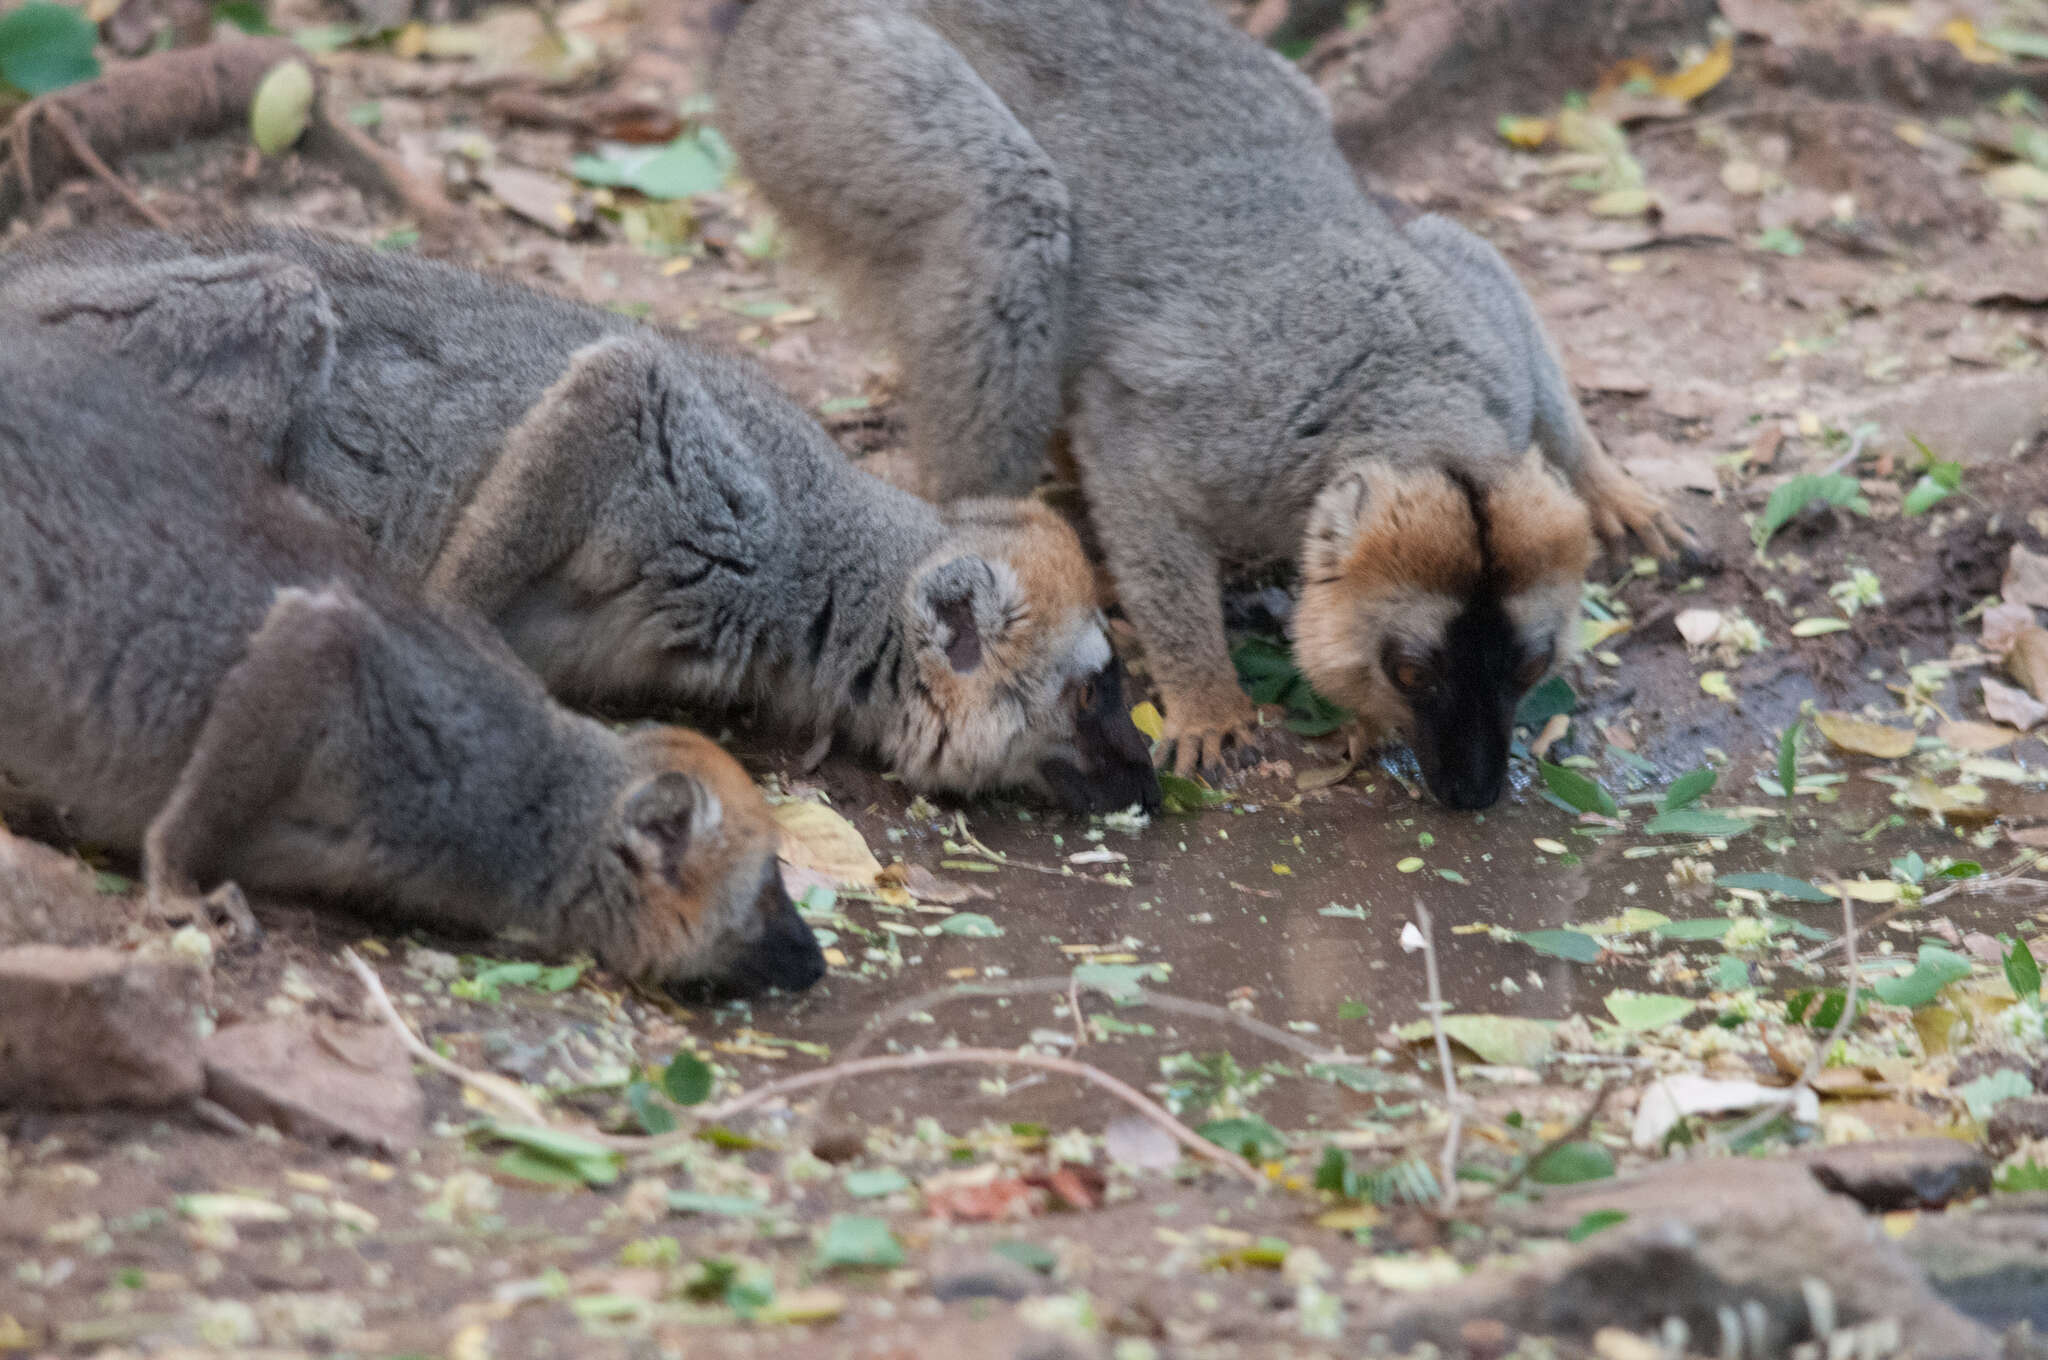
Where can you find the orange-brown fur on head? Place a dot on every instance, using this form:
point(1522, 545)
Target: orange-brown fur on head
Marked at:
point(1431, 600)
point(1015, 679)
point(693, 839)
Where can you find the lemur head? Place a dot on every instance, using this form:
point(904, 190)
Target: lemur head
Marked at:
point(1012, 681)
point(1432, 600)
point(694, 896)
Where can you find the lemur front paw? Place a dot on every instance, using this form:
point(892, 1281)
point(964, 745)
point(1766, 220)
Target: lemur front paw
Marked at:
point(223, 913)
point(1623, 508)
point(1207, 733)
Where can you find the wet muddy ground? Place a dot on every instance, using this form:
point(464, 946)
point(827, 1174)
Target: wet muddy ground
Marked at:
point(1716, 367)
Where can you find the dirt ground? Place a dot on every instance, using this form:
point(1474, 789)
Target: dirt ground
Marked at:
point(1818, 286)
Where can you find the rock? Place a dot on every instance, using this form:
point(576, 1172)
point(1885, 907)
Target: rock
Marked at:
point(320, 1080)
point(985, 1276)
point(1708, 1242)
point(1992, 1263)
point(2015, 1122)
point(1904, 1173)
point(1980, 418)
point(97, 1027)
point(50, 898)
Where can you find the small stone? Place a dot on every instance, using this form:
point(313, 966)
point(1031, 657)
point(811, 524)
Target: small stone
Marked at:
point(1908, 1173)
point(97, 1027)
point(986, 1276)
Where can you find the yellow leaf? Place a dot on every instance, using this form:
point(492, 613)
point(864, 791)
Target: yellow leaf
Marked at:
point(1621, 203)
point(1900, 1222)
point(1350, 1220)
point(2019, 180)
point(280, 107)
point(1526, 133)
point(804, 1306)
point(1145, 717)
point(1593, 632)
point(1914, 135)
point(1963, 34)
point(1716, 684)
point(1410, 864)
point(1875, 891)
point(1703, 75)
point(1283, 871)
point(1815, 627)
point(817, 838)
point(1977, 736)
point(1550, 847)
point(1851, 733)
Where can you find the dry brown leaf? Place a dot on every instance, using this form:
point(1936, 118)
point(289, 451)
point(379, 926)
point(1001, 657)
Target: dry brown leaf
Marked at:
point(817, 838)
point(1864, 738)
point(1976, 737)
point(2015, 706)
point(2026, 577)
point(2035, 836)
point(1323, 777)
point(1552, 733)
point(2003, 622)
point(2027, 662)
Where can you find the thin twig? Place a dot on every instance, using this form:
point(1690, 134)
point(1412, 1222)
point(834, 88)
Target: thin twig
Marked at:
point(984, 1057)
point(58, 117)
point(505, 1092)
point(1456, 1105)
point(2011, 878)
point(1820, 1053)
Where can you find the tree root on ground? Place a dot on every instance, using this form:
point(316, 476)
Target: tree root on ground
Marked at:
point(164, 100)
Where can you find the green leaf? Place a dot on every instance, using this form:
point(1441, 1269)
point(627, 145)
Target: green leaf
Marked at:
point(589, 1161)
point(1029, 1255)
point(646, 1105)
point(1688, 789)
point(46, 47)
point(971, 924)
point(2017, 42)
point(1788, 759)
point(1730, 973)
point(1778, 885)
point(527, 1165)
point(695, 163)
point(1582, 793)
point(247, 15)
point(1788, 500)
point(1504, 1040)
point(1334, 1174)
point(1647, 1010)
point(1119, 981)
point(854, 1240)
point(1708, 928)
point(1925, 495)
point(687, 1079)
point(1962, 868)
point(1181, 795)
point(1575, 945)
point(1353, 1010)
point(1250, 1137)
point(1546, 701)
point(281, 106)
point(1572, 1163)
point(1598, 1220)
point(886, 1180)
point(1935, 969)
point(1988, 1092)
point(715, 1206)
point(1780, 241)
point(1697, 822)
point(2022, 1178)
point(2022, 972)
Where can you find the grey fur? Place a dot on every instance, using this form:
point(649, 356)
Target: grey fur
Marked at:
point(1128, 218)
point(645, 520)
point(197, 664)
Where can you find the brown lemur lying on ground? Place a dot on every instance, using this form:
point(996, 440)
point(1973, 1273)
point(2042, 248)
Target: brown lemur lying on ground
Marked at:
point(1125, 220)
point(197, 665)
point(646, 521)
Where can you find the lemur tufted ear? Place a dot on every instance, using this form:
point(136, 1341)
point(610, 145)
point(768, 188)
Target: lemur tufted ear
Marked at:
point(659, 821)
point(965, 605)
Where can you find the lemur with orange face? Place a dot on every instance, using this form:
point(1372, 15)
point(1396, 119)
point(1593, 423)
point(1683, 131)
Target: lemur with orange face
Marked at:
point(1129, 222)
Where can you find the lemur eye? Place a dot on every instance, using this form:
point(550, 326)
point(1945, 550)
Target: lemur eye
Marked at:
point(1409, 676)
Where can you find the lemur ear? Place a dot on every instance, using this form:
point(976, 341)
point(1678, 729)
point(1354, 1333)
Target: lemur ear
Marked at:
point(965, 605)
point(660, 818)
point(1333, 521)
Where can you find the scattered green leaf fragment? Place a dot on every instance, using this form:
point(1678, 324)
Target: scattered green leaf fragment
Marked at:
point(1453, 876)
point(1940, 480)
point(1780, 241)
point(1697, 822)
point(280, 107)
point(1030, 1255)
point(715, 1206)
point(1598, 1220)
point(971, 924)
point(1353, 1010)
point(1247, 1135)
point(246, 15)
point(1119, 981)
point(646, 1105)
point(2022, 1178)
point(1688, 789)
point(1546, 701)
point(1408, 865)
point(1647, 1010)
point(1935, 969)
point(839, 406)
point(1180, 795)
point(2022, 972)
point(1730, 973)
point(2017, 42)
point(1581, 792)
point(1788, 759)
point(47, 47)
point(873, 1184)
point(695, 163)
point(1709, 928)
point(548, 1155)
point(1503, 1040)
point(1572, 1163)
point(687, 1079)
point(1817, 1008)
point(1988, 1092)
point(1575, 945)
point(1266, 669)
point(858, 1242)
point(1778, 885)
point(1795, 495)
